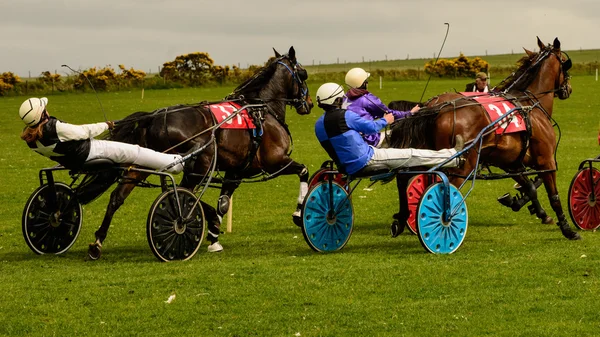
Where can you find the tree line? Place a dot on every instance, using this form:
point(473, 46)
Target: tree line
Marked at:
point(199, 69)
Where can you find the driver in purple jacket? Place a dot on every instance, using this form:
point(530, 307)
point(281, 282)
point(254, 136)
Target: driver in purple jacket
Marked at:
point(369, 106)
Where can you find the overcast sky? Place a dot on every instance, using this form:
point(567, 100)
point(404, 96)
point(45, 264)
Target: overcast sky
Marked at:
point(39, 35)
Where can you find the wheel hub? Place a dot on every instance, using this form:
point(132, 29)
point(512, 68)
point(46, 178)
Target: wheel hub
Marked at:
point(179, 226)
point(591, 200)
point(54, 219)
point(331, 219)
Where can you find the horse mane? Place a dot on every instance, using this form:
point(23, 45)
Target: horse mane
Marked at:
point(521, 78)
point(415, 131)
point(402, 105)
point(252, 86)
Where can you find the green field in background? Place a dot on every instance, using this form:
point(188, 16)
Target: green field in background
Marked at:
point(512, 276)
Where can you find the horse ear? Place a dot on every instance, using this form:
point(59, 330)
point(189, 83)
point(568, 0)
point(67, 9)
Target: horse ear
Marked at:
point(529, 52)
point(540, 44)
point(292, 53)
point(276, 53)
point(556, 44)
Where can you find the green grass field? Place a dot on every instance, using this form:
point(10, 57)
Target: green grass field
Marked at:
point(512, 276)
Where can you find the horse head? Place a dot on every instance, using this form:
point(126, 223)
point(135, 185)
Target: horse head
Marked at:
point(562, 84)
point(552, 67)
point(295, 77)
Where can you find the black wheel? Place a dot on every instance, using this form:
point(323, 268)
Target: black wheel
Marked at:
point(169, 236)
point(47, 229)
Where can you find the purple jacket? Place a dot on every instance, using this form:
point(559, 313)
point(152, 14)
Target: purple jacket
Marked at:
point(369, 107)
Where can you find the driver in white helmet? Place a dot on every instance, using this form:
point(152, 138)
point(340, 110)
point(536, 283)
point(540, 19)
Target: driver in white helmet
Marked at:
point(339, 132)
point(73, 145)
point(367, 105)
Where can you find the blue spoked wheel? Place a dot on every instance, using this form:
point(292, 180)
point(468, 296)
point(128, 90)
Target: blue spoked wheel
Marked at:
point(436, 235)
point(326, 228)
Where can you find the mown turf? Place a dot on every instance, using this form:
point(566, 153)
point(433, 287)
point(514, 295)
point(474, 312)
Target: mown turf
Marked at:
point(512, 277)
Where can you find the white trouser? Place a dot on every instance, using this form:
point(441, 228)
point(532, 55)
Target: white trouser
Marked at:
point(123, 153)
point(394, 158)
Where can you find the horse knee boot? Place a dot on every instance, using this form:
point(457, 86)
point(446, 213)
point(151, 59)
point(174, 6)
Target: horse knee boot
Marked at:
point(223, 205)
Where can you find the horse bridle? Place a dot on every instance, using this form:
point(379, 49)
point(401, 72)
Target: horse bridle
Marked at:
point(302, 93)
point(564, 68)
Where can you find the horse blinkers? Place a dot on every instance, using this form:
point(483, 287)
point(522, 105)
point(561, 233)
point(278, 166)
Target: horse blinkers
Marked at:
point(305, 102)
point(564, 89)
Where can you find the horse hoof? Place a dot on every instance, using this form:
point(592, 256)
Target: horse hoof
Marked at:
point(297, 220)
point(94, 251)
point(397, 228)
point(571, 235)
point(506, 200)
point(548, 220)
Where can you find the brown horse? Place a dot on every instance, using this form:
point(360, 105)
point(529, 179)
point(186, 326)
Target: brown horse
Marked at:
point(240, 154)
point(540, 77)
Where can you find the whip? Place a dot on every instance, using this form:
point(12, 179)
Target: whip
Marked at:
point(438, 57)
point(92, 86)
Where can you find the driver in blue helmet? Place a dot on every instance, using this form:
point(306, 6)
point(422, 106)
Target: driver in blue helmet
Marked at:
point(339, 132)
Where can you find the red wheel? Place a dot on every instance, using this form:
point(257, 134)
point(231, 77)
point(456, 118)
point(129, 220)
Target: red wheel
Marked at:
point(321, 176)
point(414, 191)
point(584, 200)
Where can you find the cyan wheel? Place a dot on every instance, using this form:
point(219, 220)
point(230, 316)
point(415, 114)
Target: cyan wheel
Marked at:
point(584, 199)
point(437, 236)
point(327, 229)
point(170, 237)
point(51, 230)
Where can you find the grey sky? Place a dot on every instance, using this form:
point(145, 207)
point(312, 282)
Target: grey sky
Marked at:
point(41, 35)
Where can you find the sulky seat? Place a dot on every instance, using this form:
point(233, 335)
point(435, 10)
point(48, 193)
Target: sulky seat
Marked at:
point(98, 164)
point(371, 170)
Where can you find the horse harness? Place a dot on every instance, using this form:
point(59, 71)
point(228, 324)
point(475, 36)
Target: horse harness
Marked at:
point(516, 101)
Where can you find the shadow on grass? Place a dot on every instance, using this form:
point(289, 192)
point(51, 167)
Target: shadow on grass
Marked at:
point(109, 254)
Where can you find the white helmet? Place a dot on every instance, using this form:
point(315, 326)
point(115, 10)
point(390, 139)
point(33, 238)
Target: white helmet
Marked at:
point(31, 110)
point(355, 77)
point(328, 93)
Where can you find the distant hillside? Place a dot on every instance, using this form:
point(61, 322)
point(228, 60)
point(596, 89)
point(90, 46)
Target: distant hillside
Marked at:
point(504, 60)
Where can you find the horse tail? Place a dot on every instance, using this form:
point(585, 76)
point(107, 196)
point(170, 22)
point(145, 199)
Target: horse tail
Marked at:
point(94, 184)
point(131, 128)
point(415, 131)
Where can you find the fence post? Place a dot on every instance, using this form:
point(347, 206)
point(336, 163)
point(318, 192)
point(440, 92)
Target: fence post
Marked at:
point(230, 215)
point(380, 82)
point(596, 74)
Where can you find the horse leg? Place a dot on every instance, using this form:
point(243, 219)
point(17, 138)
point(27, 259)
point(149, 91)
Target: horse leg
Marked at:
point(214, 228)
point(550, 185)
point(117, 198)
point(528, 192)
point(302, 172)
point(213, 220)
point(401, 218)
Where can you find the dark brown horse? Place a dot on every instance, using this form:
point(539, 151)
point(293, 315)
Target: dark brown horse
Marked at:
point(540, 77)
point(239, 154)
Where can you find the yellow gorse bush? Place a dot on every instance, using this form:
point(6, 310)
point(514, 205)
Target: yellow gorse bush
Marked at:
point(461, 66)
